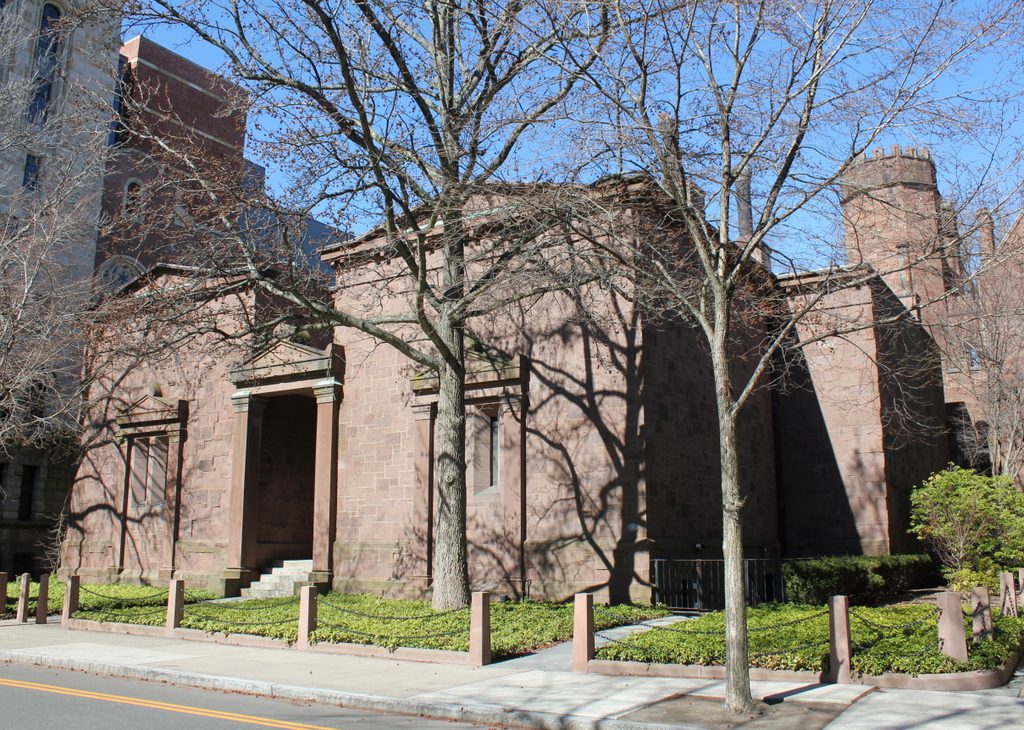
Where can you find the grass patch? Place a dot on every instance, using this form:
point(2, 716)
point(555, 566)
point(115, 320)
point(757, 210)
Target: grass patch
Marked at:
point(516, 628)
point(55, 597)
point(129, 604)
point(902, 638)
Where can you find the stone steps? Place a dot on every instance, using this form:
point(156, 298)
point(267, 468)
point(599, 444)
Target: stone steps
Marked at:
point(282, 580)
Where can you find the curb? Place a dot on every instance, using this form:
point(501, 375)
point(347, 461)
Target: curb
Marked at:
point(477, 714)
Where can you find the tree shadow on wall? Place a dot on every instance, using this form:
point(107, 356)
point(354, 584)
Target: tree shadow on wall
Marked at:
point(584, 487)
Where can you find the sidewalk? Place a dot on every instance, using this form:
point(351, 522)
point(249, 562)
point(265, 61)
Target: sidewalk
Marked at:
point(535, 691)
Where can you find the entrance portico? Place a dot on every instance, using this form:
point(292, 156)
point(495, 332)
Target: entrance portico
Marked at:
point(299, 371)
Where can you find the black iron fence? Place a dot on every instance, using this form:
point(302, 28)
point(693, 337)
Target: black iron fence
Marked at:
point(699, 585)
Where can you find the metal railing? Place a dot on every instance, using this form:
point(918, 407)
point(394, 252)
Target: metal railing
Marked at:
point(699, 584)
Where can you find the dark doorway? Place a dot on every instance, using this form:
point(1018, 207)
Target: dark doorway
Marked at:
point(284, 491)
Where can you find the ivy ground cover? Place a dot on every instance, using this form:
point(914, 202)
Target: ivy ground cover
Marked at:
point(898, 638)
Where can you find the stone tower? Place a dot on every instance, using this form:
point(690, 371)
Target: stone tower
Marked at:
point(56, 86)
point(893, 218)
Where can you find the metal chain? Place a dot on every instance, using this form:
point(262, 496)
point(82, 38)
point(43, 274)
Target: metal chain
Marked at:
point(127, 599)
point(694, 632)
point(143, 611)
point(890, 627)
point(237, 605)
point(721, 632)
point(227, 622)
point(780, 652)
point(794, 622)
point(349, 630)
point(421, 617)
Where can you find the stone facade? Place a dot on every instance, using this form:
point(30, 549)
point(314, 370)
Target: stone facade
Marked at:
point(591, 434)
point(51, 152)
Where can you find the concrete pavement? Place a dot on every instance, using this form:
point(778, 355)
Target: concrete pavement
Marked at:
point(534, 691)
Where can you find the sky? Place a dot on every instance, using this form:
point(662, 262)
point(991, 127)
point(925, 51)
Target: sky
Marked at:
point(959, 163)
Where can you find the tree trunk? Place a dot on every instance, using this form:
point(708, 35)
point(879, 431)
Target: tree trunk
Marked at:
point(451, 572)
point(737, 670)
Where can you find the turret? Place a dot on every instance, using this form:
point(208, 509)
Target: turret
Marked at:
point(892, 218)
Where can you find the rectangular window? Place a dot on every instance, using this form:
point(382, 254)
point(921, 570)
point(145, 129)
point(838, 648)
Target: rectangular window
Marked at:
point(27, 494)
point(495, 448)
point(30, 179)
point(148, 472)
point(485, 448)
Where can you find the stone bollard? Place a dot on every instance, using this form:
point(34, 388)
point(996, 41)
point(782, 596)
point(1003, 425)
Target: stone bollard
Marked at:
point(23, 599)
point(1007, 594)
point(3, 593)
point(480, 629)
point(70, 598)
point(952, 640)
point(839, 642)
point(43, 600)
point(981, 615)
point(582, 631)
point(307, 615)
point(175, 604)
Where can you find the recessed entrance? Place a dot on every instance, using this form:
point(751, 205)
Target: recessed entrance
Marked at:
point(283, 518)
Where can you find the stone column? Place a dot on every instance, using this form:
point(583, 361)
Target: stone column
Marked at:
point(70, 598)
point(1007, 594)
point(23, 598)
point(952, 638)
point(307, 615)
point(172, 493)
point(480, 629)
point(245, 465)
point(840, 653)
point(423, 502)
point(43, 599)
point(175, 605)
point(325, 479)
point(582, 631)
point(981, 614)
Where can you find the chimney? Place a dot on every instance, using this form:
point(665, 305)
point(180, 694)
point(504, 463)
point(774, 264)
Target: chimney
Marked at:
point(987, 233)
point(744, 212)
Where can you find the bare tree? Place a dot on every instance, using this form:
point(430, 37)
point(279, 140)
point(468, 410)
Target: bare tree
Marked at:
point(985, 355)
point(52, 146)
point(728, 103)
point(400, 116)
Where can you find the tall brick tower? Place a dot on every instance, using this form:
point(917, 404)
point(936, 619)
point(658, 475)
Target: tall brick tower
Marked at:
point(56, 81)
point(895, 220)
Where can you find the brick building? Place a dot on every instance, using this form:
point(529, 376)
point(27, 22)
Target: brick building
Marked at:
point(54, 70)
point(591, 449)
point(592, 446)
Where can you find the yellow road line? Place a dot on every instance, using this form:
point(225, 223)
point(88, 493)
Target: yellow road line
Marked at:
point(157, 705)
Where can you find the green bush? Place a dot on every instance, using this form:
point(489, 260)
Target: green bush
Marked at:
point(866, 580)
point(902, 638)
point(972, 523)
point(54, 596)
point(516, 628)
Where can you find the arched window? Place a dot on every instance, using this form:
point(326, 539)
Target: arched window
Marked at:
point(132, 199)
point(47, 57)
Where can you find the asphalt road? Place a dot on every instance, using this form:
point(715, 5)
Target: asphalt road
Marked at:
point(33, 697)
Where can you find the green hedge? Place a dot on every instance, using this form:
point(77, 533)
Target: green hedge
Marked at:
point(902, 638)
point(865, 580)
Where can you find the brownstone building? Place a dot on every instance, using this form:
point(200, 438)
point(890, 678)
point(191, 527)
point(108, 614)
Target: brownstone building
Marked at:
point(592, 444)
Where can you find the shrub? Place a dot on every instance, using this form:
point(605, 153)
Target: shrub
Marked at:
point(972, 523)
point(865, 580)
point(899, 638)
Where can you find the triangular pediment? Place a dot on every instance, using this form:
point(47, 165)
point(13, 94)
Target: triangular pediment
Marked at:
point(286, 360)
point(151, 410)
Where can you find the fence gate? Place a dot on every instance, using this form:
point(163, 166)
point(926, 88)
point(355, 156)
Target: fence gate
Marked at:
point(699, 585)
